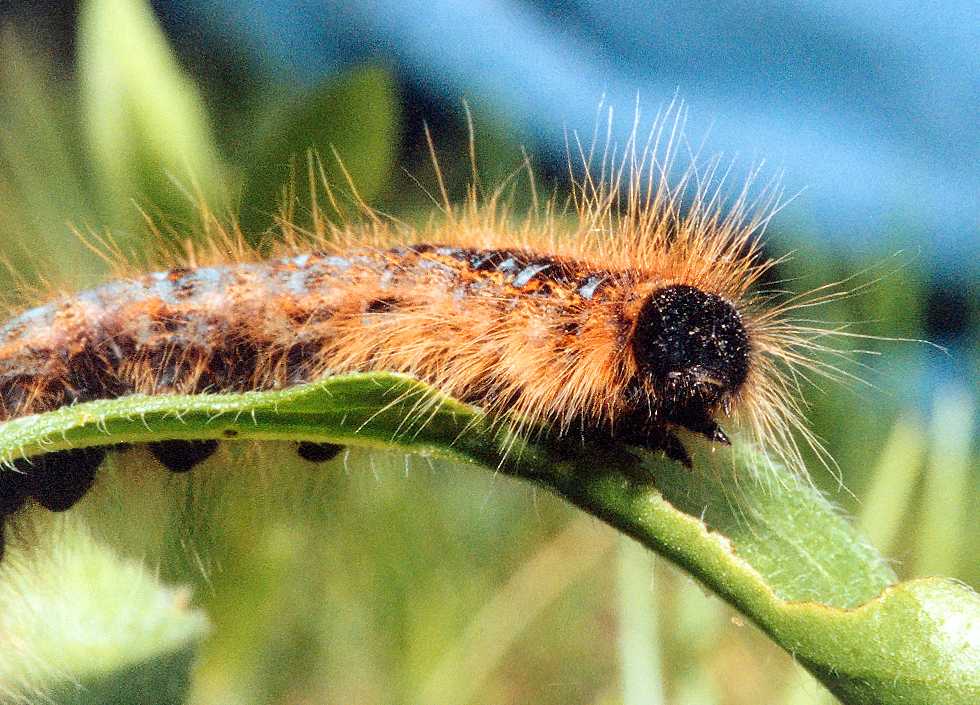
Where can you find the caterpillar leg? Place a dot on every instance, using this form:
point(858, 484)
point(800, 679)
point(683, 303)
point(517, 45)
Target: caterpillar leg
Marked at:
point(318, 452)
point(662, 440)
point(697, 420)
point(14, 490)
point(675, 450)
point(181, 456)
point(58, 480)
point(644, 431)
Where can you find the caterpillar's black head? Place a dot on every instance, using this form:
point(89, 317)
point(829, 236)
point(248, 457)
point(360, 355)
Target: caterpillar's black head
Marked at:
point(694, 349)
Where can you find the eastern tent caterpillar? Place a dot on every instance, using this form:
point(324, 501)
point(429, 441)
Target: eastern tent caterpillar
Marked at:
point(632, 321)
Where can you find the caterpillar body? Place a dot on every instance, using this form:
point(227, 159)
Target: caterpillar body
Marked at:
point(634, 323)
point(218, 329)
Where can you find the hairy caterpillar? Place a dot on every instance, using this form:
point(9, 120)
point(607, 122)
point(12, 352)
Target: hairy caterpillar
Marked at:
point(632, 321)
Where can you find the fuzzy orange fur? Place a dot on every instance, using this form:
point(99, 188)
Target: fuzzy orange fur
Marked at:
point(528, 355)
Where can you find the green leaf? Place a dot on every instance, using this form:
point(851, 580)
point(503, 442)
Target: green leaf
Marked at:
point(42, 186)
point(642, 673)
point(764, 541)
point(145, 120)
point(81, 625)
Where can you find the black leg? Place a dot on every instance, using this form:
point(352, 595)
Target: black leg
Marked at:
point(675, 450)
point(697, 420)
point(318, 452)
point(58, 480)
point(14, 490)
point(181, 456)
point(644, 432)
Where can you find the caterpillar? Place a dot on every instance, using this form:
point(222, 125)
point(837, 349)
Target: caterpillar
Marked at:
point(631, 317)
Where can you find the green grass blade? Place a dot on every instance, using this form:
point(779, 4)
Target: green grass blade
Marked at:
point(776, 550)
point(639, 639)
point(886, 503)
point(141, 133)
point(351, 122)
point(944, 532)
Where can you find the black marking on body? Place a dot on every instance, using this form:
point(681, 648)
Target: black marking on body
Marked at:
point(318, 452)
point(185, 286)
point(181, 456)
point(522, 267)
point(232, 366)
point(382, 305)
point(301, 360)
point(91, 374)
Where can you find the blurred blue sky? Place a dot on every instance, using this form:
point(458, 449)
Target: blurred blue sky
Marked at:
point(870, 106)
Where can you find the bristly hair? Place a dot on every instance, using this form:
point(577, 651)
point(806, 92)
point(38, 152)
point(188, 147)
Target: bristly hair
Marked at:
point(631, 207)
point(544, 344)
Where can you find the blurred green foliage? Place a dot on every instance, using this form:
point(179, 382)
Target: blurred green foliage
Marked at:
point(775, 549)
point(352, 583)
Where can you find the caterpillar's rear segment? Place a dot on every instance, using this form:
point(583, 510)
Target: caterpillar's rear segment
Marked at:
point(14, 490)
